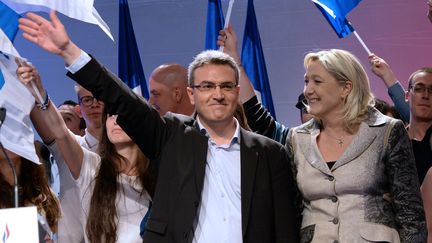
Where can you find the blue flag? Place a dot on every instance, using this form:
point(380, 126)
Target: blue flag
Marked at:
point(9, 25)
point(253, 61)
point(130, 69)
point(8, 21)
point(335, 11)
point(215, 22)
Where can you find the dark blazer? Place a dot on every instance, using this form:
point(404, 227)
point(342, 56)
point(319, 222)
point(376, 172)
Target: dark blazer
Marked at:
point(178, 151)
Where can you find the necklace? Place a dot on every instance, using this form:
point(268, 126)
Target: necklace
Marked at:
point(339, 140)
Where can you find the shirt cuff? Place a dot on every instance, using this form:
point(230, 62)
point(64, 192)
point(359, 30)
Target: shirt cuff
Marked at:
point(80, 62)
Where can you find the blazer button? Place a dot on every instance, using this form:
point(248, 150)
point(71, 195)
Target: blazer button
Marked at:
point(330, 178)
point(334, 199)
point(335, 221)
point(335, 241)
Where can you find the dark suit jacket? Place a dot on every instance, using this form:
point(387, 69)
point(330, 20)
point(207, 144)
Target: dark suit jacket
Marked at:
point(178, 151)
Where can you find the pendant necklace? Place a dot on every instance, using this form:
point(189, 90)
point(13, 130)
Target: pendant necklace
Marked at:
point(340, 140)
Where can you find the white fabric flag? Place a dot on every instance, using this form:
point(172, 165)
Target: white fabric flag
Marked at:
point(16, 133)
point(77, 9)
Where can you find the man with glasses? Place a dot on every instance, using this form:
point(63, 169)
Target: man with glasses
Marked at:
point(216, 182)
point(419, 97)
point(70, 224)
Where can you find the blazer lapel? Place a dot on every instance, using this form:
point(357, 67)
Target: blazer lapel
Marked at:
point(249, 161)
point(200, 145)
point(364, 138)
point(308, 146)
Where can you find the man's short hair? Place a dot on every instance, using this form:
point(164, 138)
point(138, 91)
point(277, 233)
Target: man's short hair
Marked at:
point(212, 57)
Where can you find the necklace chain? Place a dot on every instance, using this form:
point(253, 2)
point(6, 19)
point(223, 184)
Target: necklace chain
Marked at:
point(340, 140)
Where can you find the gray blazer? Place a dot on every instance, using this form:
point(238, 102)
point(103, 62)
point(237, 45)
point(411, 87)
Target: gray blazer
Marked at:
point(371, 193)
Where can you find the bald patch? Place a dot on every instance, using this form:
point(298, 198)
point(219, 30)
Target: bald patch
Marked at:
point(172, 75)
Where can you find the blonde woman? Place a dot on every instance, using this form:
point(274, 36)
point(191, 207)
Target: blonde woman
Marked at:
point(354, 167)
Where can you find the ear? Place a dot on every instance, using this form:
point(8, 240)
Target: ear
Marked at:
point(406, 96)
point(77, 109)
point(177, 95)
point(190, 92)
point(347, 88)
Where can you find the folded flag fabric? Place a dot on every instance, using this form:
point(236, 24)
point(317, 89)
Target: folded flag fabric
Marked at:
point(214, 23)
point(130, 68)
point(82, 10)
point(16, 133)
point(335, 11)
point(253, 60)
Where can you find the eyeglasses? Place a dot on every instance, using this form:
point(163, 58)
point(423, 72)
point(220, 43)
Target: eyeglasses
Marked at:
point(89, 100)
point(421, 88)
point(209, 86)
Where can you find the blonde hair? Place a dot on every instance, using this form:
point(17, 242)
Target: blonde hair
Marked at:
point(344, 66)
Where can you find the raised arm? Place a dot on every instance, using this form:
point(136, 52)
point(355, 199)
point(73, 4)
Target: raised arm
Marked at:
point(397, 93)
point(259, 119)
point(228, 39)
point(135, 116)
point(49, 35)
point(49, 123)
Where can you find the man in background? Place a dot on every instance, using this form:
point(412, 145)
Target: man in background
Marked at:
point(168, 92)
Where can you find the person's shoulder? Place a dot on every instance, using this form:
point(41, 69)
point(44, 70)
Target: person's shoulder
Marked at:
point(255, 139)
point(306, 127)
point(376, 119)
point(179, 119)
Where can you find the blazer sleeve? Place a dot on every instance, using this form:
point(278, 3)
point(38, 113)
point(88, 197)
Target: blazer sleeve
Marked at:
point(297, 196)
point(286, 222)
point(135, 116)
point(404, 186)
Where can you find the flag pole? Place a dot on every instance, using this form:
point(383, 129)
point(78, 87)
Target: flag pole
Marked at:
point(227, 19)
point(362, 43)
point(38, 94)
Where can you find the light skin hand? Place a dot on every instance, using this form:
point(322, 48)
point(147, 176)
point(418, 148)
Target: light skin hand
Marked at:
point(50, 35)
point(382, 69)
point(228, 39)
point(49, 123)
point(27, 73)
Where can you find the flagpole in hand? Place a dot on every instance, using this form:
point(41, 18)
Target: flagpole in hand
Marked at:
point(362, 43)
point(227, 19)
point(22, 63)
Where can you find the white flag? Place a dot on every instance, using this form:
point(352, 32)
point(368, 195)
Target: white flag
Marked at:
point(77, 9)
point(16, 133)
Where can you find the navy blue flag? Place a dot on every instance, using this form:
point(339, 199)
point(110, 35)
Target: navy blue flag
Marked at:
point(9, 25)
point(253, 61)
point(130, 69)
point(335, 11)
point(215, 22)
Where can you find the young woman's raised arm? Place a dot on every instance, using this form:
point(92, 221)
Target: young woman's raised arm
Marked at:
point(48, 121)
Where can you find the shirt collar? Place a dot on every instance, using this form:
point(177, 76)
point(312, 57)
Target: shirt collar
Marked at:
point(90, 139)
point(235, 138)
